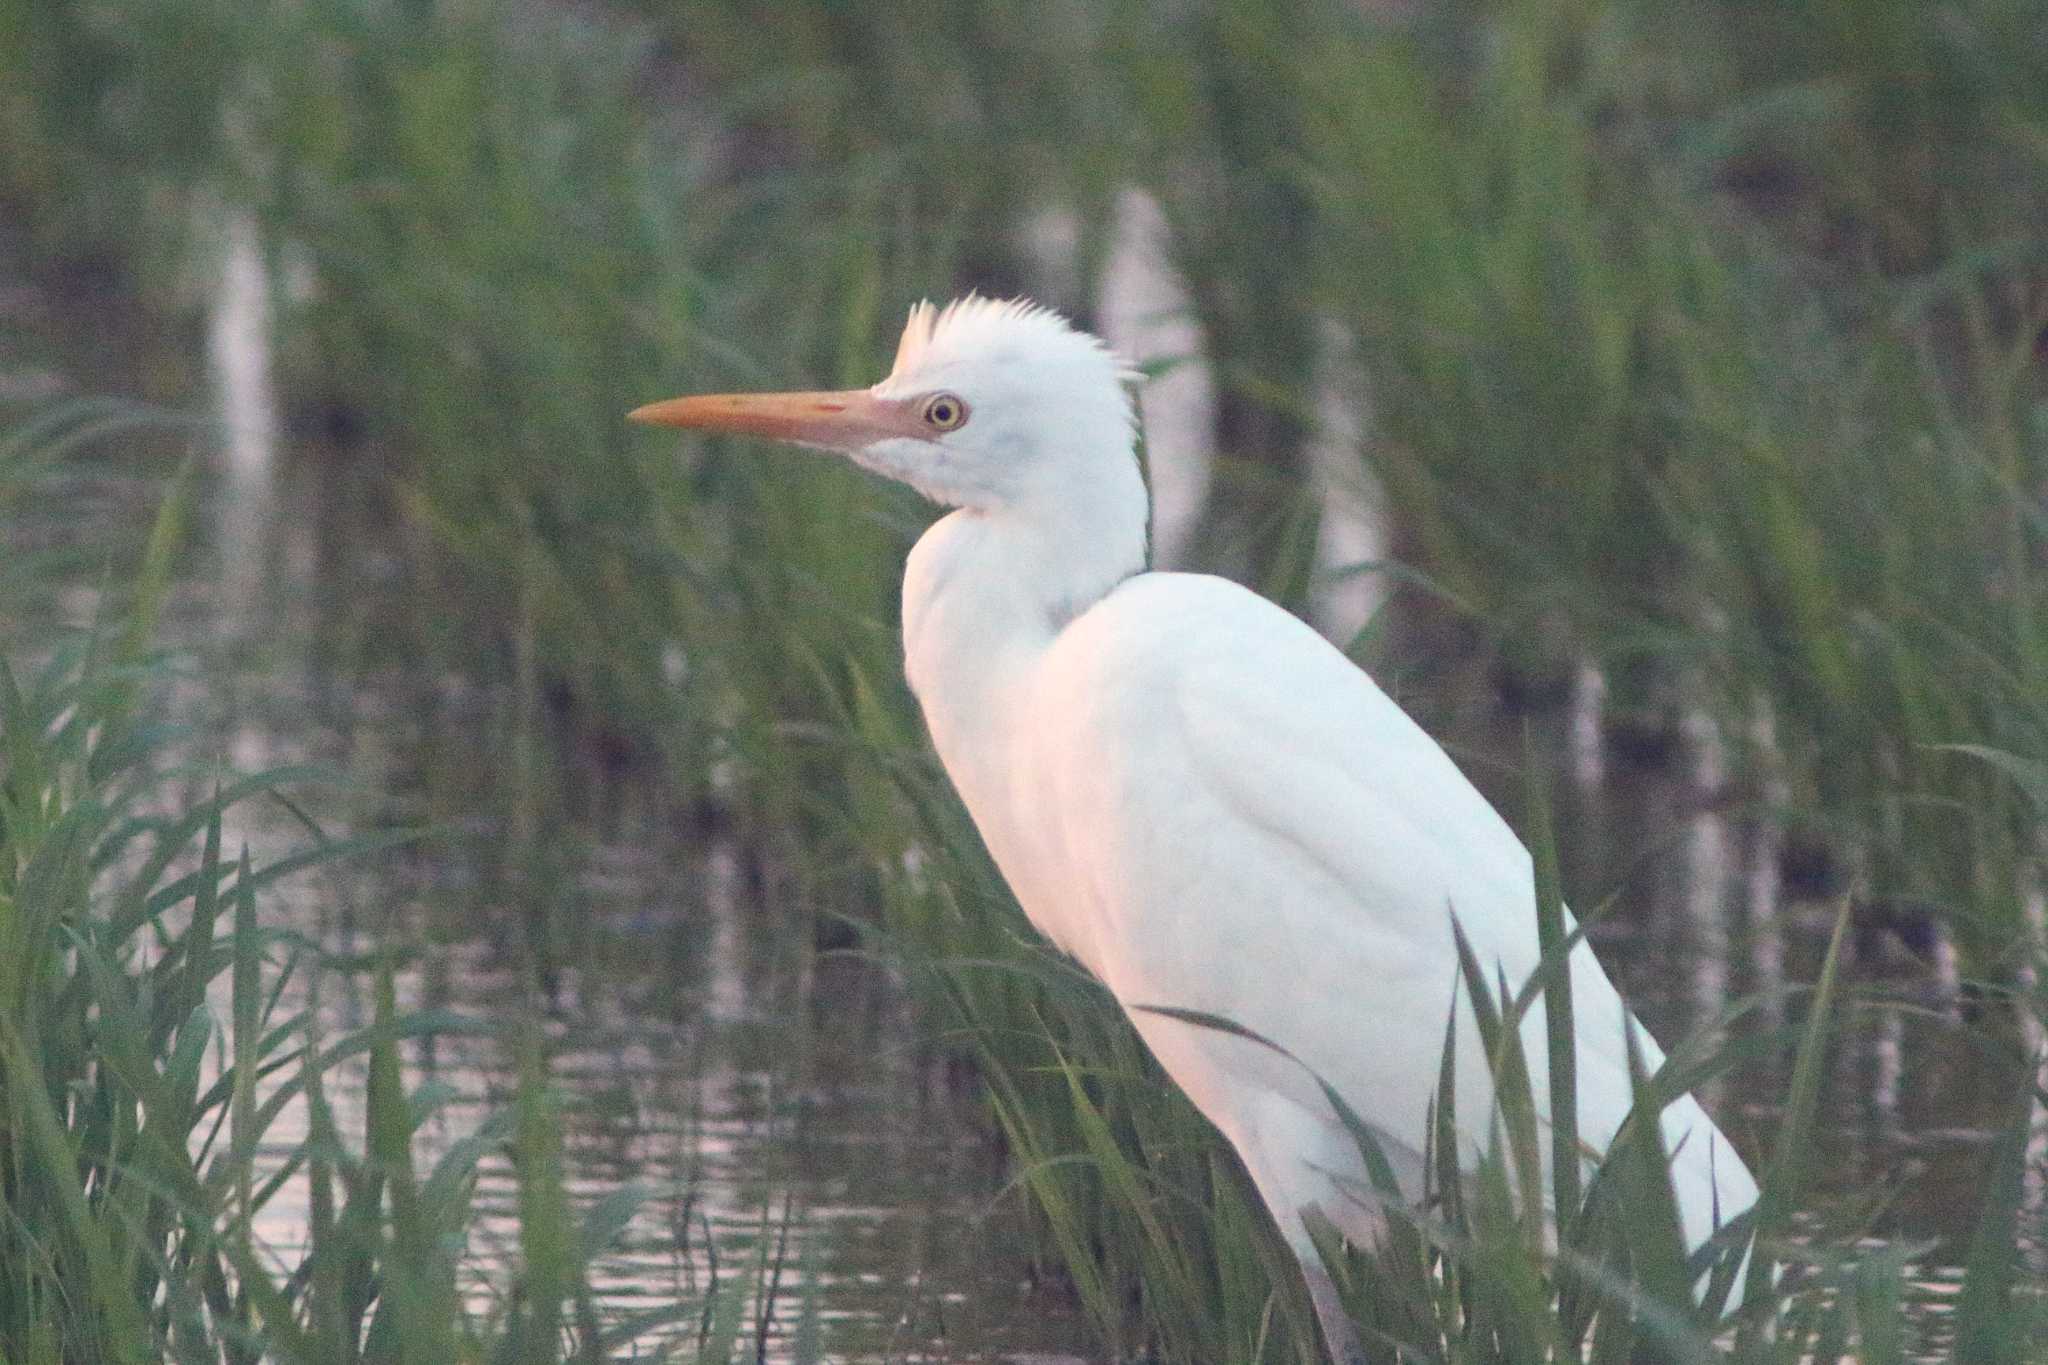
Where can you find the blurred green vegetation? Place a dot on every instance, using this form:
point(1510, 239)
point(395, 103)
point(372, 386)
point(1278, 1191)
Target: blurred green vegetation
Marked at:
point(1703, 345)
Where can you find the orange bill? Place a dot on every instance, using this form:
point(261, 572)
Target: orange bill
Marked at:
point(845, 419)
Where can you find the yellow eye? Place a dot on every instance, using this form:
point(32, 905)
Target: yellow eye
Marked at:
point(944, 411)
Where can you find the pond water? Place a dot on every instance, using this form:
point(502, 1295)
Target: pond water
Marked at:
point(781, 1104)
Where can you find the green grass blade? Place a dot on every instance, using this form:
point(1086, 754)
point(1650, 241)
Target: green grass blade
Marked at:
point(1986, 1323)
point(1514, 1103)
point(1560, 1028)
point(1648, 1203)
point(545, 1233)
point(125, 1335)
point(1786, 1174)
point(246, 993)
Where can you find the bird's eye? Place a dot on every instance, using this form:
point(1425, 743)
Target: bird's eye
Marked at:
point(944, 411)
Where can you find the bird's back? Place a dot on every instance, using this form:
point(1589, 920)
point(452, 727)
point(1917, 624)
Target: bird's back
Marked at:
point(1239, 822)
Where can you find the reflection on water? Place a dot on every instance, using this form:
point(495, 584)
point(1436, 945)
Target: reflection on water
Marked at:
point(1148, 318)
point(239, 356)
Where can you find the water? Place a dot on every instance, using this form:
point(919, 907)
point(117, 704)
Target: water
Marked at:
point(782, 1104)
point(776, 1104)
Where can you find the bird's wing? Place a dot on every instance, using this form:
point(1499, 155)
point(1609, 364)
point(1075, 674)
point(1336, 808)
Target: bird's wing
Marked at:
point(1275, 841)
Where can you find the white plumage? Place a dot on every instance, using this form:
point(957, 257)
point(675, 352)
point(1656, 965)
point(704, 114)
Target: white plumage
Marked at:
point(1190, 791)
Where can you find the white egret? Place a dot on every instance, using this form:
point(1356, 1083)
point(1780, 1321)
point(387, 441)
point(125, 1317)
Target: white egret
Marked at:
point(1193, 793)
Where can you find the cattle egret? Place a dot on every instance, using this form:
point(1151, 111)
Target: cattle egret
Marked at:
point(1193, 793)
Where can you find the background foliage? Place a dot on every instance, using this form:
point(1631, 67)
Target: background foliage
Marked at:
point(1699, 348)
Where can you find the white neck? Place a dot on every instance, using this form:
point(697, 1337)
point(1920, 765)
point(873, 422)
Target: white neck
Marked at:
point(986, 592)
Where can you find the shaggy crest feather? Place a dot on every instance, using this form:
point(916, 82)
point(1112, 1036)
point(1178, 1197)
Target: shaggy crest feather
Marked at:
point(971, 320)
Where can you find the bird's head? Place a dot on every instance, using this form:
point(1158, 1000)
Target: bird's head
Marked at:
point(988, 405)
